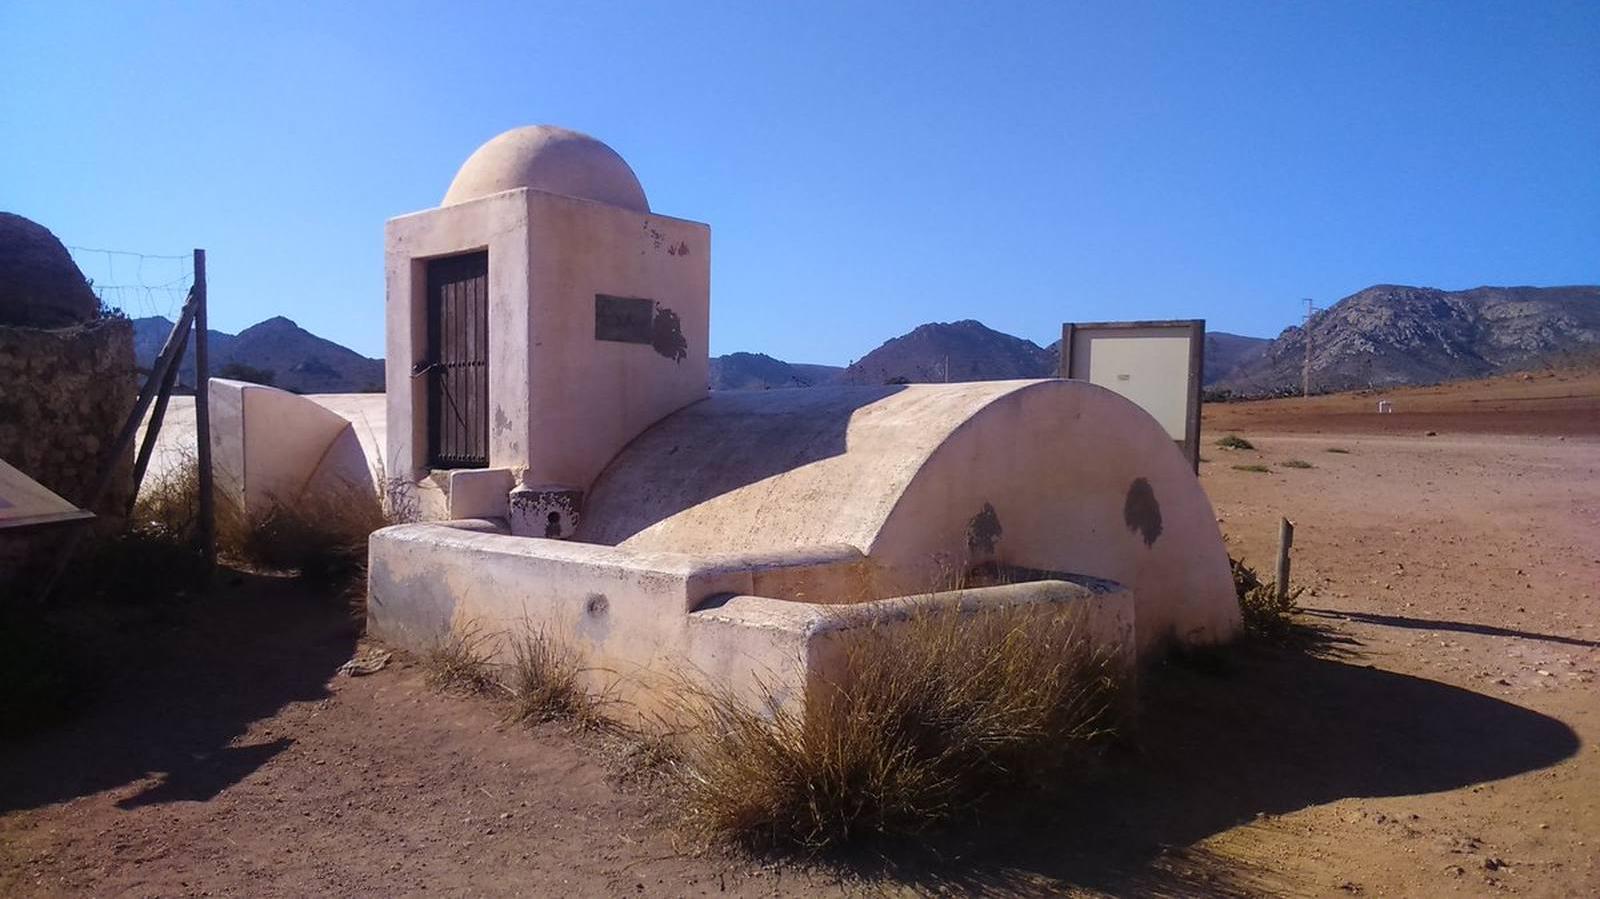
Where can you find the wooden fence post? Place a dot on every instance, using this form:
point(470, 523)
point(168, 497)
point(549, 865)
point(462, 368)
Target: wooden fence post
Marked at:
point(202, 416)
point(1285, 541)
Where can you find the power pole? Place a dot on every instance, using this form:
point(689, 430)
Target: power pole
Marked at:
point(1305, 331)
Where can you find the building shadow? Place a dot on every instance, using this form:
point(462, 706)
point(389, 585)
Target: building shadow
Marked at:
point(176, 692)
point(1277, 732)
point(1460, 627)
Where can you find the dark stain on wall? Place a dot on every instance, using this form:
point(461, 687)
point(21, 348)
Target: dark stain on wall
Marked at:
point(667, 335)
point(984, 530)
point(595, 623)
point(1141, 512)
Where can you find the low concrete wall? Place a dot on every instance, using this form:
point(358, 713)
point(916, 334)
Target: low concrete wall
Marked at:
point(764, 650)
point(645, 622)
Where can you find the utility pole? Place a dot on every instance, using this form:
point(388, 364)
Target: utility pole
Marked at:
point(1305, 331)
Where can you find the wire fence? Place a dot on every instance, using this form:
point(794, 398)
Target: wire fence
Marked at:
point(138, 285)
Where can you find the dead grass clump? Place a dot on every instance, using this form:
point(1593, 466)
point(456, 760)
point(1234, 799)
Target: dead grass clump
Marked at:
point(932, 716)
point(546, 684)
point(1256, 469)
point(1234, 441)
point(322, 535)
point(1296, 463)
point(1265, 615)
point(460, 662)
point(155, 556)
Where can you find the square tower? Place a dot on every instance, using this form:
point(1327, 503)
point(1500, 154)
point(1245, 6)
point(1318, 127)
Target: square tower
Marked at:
point(537, 320)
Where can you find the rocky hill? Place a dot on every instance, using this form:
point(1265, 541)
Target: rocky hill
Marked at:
point(1227, 353)
point(951, 351)
point(276, 350)
point(757, 371)
point(1391, 334)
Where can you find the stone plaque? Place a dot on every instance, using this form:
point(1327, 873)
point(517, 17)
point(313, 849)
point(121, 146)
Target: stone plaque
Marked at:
point(623, 319)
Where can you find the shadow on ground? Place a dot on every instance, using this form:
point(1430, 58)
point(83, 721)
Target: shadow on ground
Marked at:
point(1459, 627)
point(1275, 732)
point(177, 693)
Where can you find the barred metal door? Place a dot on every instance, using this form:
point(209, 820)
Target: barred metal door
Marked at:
point(458, 361)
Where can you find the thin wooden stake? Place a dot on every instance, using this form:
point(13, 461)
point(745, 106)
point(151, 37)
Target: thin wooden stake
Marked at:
point(202, 416)
point(1285, 541)
point(158, 413)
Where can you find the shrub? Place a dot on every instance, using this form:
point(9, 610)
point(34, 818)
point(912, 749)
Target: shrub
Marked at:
point(1265, 615)
point(1296, 463)
point(1234, 441)
point(931, 717)
point(1258, 469)
point(238, 371)
point(155, 556)
point(322, 535)
point(1337, 449)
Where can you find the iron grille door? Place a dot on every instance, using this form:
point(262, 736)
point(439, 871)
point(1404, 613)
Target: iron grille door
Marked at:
point(458, 361)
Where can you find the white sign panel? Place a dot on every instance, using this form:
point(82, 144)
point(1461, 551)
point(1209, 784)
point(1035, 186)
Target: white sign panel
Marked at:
point(1157, 365)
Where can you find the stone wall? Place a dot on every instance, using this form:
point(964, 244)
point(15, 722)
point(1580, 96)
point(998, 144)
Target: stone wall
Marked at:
point(64, 394)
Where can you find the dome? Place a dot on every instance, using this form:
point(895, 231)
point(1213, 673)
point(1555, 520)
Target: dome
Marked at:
point(40, 285)
point(551, 159)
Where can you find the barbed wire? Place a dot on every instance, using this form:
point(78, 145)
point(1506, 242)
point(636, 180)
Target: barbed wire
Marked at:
point(147, 285)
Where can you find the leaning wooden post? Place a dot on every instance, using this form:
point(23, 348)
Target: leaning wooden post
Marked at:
point(166, 361)
point(158, 412)
point(1285, 541)
point(202, 416)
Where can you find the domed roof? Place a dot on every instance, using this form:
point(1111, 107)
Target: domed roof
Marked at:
point(551, 159)
point(40, 285)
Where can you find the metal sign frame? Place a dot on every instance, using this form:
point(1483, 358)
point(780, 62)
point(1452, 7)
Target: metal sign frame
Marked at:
point(1196, 328)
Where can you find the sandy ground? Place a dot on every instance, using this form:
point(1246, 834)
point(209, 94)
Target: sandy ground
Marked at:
point(1443, 741)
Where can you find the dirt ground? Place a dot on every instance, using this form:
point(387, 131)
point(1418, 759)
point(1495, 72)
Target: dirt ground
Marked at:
point(1444, 739)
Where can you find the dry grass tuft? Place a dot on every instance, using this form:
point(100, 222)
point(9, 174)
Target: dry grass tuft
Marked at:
point(1265, 615)
point(1256, 469)
point(546, 684)
point(933, 716)
point(322, 535)
point(1296, 463)
point(461, 662)
point(1337, 449)
point(544, 680)
point(1234, 441)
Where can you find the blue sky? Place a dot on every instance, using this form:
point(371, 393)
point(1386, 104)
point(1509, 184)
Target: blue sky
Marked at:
point(864, 167)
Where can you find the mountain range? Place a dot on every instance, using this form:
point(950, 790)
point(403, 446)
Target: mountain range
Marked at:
point(275, 351)
point(758, 371)
point(1386, 335)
